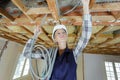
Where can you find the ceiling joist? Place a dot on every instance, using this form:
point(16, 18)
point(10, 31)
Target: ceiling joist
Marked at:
point(92, 2)
point(42, 10)
point(102, 30)
point(23, 8)
point(5, 14)
point(109, 40)
point(52, 4)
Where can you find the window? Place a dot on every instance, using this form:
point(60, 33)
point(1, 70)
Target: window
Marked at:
point(22, 67)
point(117, 66)
point(112, 70)
point(109, 71)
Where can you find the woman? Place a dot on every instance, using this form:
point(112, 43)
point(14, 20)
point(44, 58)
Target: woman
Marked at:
point(66, 60)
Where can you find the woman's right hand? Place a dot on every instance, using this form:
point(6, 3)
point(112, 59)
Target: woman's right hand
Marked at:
point(37, 30)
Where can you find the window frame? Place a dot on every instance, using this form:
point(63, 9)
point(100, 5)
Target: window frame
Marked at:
point(114, 69)
point(23, 67)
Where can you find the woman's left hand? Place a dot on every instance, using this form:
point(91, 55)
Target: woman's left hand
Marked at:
point(85, 2)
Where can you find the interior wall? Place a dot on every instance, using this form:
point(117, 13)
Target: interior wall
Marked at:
point(8, 60)
point(94, 66)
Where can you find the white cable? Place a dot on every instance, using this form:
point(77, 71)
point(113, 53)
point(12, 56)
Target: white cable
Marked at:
point(72, 8)
point(44, 76)
point(47, 56)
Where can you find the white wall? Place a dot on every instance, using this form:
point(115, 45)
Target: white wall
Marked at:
point(8, 60)
point(94, 66)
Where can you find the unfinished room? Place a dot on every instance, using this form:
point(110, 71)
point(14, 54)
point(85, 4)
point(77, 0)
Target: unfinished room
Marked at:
point(59, 39)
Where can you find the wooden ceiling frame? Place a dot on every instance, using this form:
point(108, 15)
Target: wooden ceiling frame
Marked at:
point(12, 37)
point(53, 8)
point(109, 40)
point(12, 34)
point(5, 14)
point(29, 32)
point(101, 31)
point(23, 8)
point(102, 52)
point(105, 7)
point(98, 33)
point(116, 15)
point(41, 10)
point(39, 39)
point(96, 9)
point(98, 50)
point(6, 27)
point(92, 2)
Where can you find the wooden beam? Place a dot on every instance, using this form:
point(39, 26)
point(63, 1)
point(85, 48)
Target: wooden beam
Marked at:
point(116, 15)
point(101, 36)
point(12, 39)
point(16, 34)
point(23, 8)
point(108, 40)
point(106, 7)
point(97, 23)
point(13, 35)
point(52, 4)
point(47, 43)
point(102, 52)
point(104, 20)
point(97, 9)
point(92, 2)
point(5, 14)
point(76, 23)
point(102, 30)
point(41, 10)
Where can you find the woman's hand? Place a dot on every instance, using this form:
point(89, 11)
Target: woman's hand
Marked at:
point(37, 30)
point(85, 6)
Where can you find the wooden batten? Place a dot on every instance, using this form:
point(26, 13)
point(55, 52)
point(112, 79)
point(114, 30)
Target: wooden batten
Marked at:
point(92, 2)
point(53, 8)
point(23, 8)
point(5, 14)
point(42, 10)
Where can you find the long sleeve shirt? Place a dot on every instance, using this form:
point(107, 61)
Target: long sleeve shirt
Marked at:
point(86, 34)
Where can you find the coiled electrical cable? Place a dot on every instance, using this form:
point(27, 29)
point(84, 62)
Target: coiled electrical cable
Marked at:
point(45, 54)
point(72, 8)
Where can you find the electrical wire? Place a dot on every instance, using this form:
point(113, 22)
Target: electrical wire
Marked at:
point(72, 8)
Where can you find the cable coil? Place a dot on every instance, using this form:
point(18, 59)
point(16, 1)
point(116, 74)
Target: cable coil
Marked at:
point(44, 54)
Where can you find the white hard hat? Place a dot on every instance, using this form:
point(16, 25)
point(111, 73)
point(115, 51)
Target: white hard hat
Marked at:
point(60, 26)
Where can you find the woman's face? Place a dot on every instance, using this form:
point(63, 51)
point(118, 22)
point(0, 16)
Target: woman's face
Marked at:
point(60, 36)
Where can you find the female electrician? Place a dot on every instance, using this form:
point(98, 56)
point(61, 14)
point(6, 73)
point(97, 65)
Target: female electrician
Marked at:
point(65, 63)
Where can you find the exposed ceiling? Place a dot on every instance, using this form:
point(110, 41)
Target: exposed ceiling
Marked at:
point(19, 17)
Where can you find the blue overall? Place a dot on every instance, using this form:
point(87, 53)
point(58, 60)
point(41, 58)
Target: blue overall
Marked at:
point(64, 66)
